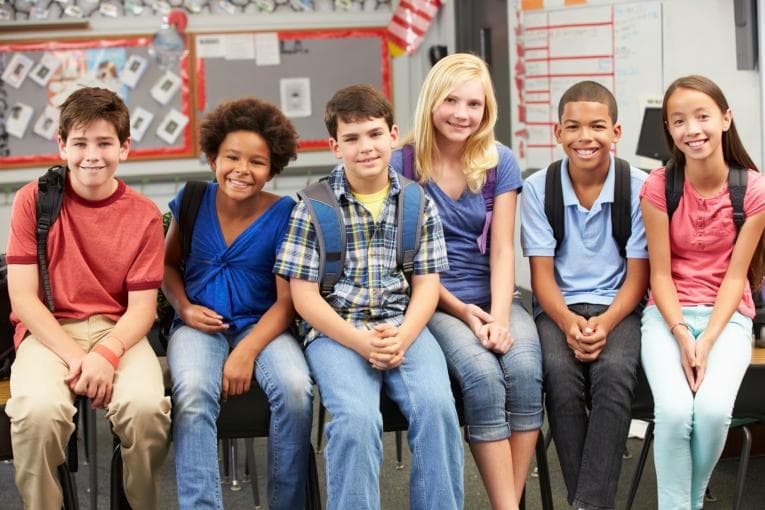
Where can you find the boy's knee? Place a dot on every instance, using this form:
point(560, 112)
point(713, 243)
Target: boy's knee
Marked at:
point(146, 410)
point(36, 415)
point(357, 427)
point(298, 391)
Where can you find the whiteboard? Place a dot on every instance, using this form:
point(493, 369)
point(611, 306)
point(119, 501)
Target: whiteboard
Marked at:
point(619, 46)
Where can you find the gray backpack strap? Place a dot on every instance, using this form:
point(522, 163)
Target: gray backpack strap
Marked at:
point(409, 214)
point(327, 221)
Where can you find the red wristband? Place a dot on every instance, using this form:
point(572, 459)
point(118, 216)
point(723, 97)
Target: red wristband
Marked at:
point(107, 354)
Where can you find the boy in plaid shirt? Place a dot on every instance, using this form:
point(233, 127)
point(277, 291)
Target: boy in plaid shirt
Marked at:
point(369, 332)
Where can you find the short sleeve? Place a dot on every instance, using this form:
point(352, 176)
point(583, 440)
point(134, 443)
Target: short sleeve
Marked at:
point(537, 238)
point(431, 257)
point(653, 189)
point(298, 256)
point(147, 269)
point(508, 172)
point(754, 200)
point(22, 240)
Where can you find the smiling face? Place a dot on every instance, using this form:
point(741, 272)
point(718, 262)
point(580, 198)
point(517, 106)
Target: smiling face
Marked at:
point(365, 147)
point(696, 124)
point(242, 166)
point(460, 114)
point(586, 133)
point(92, 154)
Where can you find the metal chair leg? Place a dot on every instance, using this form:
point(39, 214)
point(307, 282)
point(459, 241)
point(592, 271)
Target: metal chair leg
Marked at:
point(225, 464)
point(545, 489)
point(399, 450)
point(320, 427)
point(647, 439)
point(743, 465)
point(68, 488)
point(251, 467)
point(235, 485)
point(91, 450)
point(118, 499)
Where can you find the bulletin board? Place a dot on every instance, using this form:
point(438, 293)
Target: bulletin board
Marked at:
point(36, 77)
point(298, 71)
point(619, 46)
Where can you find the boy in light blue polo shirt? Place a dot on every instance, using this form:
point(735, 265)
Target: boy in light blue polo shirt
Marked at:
point(586, 297)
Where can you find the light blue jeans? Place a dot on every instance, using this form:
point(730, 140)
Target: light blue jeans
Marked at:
point(500, 393)
point(350, 390)
point(196, 362)
point(691, 429)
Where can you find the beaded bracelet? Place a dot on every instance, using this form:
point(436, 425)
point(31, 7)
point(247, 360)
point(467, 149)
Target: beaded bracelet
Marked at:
point(107, 354)
point(678, 323)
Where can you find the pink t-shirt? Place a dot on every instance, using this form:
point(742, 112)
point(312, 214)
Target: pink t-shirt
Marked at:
point(98, 251)
point(702, 235)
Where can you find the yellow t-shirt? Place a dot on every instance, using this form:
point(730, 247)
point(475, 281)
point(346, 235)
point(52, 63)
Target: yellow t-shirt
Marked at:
point(374, 202)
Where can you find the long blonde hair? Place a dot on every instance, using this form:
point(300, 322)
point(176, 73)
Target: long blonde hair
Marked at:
point(480, 153)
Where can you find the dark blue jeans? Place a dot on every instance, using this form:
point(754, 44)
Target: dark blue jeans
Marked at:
point(590, 444)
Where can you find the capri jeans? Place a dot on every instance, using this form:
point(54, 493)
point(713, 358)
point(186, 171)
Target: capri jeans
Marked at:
point(501, 392)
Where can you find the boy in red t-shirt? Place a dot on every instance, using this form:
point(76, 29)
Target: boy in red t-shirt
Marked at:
point(105, 262)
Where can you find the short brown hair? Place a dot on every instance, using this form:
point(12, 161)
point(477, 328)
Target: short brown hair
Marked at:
point(592, 92)
point(250, 114)
point(354, 103)
point(88, 104)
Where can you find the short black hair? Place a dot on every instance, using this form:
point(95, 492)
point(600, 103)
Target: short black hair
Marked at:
point(250, 114)
point(592, 92)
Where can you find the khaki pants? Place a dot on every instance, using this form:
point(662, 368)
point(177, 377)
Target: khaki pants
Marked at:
point(41, 411)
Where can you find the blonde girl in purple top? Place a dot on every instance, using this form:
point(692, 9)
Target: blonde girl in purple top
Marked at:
point(697, 329)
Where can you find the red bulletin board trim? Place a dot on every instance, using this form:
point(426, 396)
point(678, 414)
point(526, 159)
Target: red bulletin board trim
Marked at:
point(385, 71)
point(186, 150)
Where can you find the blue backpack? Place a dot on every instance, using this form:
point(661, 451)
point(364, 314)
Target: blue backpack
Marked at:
point(328, 223)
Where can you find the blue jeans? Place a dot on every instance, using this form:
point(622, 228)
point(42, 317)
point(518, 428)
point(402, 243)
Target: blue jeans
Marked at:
point(590, 444)
point(691, 429)
point(350, 390)
point(500, 393)
point(196, 362)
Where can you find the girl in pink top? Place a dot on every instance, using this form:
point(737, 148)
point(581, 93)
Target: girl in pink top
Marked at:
point(697, 328)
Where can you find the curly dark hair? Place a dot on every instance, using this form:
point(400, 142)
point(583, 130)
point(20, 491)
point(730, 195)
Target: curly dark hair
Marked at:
point(250, 114)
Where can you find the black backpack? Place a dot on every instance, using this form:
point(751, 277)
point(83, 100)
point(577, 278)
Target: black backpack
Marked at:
point(621, 211)
point(50, 196)
point(187, 216)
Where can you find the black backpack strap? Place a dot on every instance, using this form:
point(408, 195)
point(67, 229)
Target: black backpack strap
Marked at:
point(674, 180)
point(737, 180)
point(554, 202)
point(621, 211)
point(328, 223)
point(409, 213)
point(193, 193)
point(50, 197)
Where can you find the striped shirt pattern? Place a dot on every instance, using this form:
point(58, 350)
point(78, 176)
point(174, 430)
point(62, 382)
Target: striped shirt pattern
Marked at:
point(372, 288)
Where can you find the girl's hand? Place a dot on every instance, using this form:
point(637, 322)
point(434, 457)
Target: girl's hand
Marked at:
point(688, 360)
point(498, 337)
point(475, 317)
point(203, 318)
point(237, 373)
point(702, 348)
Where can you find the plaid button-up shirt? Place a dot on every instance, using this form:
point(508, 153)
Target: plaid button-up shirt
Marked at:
point(372, 288)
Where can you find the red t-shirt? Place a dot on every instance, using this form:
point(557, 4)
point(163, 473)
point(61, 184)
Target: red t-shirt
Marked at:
point(701, 237)
point(98, 251)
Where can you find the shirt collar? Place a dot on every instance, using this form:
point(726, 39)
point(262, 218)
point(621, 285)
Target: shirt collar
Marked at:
point(569, 196)
point(341, 188)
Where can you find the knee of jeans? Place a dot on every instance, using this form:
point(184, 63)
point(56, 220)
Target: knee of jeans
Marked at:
point(194, 393)
point(297, 389)
point(356, 428)
point(711, 413)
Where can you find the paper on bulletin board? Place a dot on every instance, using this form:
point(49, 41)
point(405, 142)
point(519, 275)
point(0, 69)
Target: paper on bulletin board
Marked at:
point(267, 49)
point(239, 47)
point(210, 46)
point(295, 94)
point(17, 70)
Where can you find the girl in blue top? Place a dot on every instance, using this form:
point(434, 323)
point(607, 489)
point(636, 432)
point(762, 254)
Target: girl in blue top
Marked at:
point(232, 312)
point(489, 340)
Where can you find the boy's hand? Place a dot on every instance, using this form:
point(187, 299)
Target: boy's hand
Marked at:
point(497, 336)
point(476, 318)
point(594, 337)
point(574, 332)
point(237, 373)
point(75, 369)
point(95, 380)
point(203, 318)
point(387, 347)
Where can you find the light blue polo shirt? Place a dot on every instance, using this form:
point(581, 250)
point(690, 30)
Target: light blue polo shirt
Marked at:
point(588, 267)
